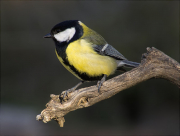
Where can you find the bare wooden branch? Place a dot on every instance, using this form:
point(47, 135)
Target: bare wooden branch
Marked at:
point(154, 64)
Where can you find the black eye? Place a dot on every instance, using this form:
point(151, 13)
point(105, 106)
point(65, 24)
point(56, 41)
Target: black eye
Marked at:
point(58, 30)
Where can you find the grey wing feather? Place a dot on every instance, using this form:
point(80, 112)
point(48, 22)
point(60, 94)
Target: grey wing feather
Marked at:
point(109, 51)
point(98, 43)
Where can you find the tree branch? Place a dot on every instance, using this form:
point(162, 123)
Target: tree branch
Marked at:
point(154, 64)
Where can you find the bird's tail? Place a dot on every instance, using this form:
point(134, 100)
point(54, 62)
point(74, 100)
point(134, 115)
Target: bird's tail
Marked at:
point(127, 63)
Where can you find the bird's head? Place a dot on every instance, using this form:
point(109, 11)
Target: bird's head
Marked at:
point(66, 31)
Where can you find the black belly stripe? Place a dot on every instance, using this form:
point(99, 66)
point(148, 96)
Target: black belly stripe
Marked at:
point(61, 51)
point(83, 76)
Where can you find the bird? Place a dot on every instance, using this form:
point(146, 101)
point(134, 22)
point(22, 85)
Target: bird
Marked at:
point(85, 53)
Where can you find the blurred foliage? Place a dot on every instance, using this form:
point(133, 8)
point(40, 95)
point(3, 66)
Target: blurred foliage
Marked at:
point(30, 71)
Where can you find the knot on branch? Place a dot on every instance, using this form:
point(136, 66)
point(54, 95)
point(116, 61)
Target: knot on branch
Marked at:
point(83, 102)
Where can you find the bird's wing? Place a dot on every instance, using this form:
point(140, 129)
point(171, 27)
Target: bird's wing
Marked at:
point(101, 46)
point(108, 50)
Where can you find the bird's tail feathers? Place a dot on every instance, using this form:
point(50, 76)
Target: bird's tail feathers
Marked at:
point(127, 63)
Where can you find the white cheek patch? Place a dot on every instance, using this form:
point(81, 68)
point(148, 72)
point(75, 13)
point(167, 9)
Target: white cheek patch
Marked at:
point(65, 35)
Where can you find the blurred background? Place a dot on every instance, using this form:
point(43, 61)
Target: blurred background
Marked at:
point(30, 71)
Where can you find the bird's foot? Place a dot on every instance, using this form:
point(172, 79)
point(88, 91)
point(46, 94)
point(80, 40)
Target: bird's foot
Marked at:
point(64, 95)
point(99, 83)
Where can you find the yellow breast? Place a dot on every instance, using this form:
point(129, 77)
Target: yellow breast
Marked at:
point(81, 55)
point(67, 67)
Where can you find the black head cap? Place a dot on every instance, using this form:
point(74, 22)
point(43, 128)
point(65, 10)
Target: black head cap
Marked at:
point(64, 25)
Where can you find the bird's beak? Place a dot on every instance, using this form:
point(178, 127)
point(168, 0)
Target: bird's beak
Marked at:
point(48, 36)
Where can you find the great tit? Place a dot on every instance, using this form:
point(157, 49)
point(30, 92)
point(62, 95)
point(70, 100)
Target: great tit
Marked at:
point(85, 53)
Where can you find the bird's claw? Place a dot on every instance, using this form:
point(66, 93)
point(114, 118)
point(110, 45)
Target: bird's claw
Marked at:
point(64, 95)
point(99, 83)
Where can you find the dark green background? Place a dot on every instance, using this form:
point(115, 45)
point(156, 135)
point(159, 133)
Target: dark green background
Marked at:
point(30, 71)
